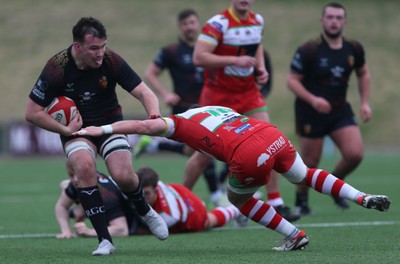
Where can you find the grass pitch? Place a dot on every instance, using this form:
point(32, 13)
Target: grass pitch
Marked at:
point(29, 191)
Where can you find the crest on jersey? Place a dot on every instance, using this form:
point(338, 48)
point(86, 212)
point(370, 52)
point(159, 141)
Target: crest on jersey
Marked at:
point(350, 60)
point(103, 82)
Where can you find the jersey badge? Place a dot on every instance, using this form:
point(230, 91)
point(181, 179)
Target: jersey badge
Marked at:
point(103, 82)
point(350, 60)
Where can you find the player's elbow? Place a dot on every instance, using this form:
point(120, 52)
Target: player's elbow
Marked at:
point(198, 59)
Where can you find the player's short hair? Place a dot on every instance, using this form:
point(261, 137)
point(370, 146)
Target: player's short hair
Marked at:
point(148, 177)
point(334, 5)
point(185, 13)
point(88, 25)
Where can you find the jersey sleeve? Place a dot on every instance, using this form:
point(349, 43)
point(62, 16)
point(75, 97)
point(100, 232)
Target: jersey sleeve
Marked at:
point(161, 59)
point(126, 77)
point(297, 64)
point(359, 54)
point(50, 81)
point(213, 31)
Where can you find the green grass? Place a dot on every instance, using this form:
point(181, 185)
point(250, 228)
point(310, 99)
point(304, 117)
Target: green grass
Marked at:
point(29, 189)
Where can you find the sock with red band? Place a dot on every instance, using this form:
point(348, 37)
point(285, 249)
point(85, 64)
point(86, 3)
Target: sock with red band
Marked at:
point(265, 215)
point(324, 182)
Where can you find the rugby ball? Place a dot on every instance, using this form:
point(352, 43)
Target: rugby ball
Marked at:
point(62, 109)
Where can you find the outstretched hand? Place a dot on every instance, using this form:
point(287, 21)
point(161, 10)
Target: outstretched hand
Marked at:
point(89, 131)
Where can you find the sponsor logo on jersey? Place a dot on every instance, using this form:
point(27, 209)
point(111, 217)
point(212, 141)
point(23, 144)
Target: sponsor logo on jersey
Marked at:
point(337, 71)
point(276, 146)
point(242, 128)
point(216, 25)
point(323, 63)
point(229, 128)
point(262, 159)
point(69, 87)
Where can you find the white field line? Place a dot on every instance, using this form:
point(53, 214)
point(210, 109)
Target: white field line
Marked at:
point(339, 224)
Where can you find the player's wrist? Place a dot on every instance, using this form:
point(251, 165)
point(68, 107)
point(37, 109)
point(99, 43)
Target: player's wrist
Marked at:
point(107, 129)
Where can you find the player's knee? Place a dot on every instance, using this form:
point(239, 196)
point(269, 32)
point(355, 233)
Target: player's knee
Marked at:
point(297, 172)
point(355, 157)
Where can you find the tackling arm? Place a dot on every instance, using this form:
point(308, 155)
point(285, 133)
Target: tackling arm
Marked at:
point(151, 127)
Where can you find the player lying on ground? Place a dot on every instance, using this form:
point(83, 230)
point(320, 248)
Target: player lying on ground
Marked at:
point(252, 149)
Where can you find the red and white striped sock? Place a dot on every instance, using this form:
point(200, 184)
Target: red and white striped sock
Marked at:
point(265, 215)
point(225, 214)
point(324, 182)
point(274, 199)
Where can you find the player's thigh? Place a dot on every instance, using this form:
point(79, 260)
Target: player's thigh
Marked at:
point(311, 150)
point(348, 139)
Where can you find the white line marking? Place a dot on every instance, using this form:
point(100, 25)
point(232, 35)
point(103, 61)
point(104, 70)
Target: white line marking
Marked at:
point(339, 224)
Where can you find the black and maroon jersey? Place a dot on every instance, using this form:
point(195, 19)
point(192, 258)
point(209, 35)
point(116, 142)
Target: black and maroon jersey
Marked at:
point(187, 79)
point(326, 72)
point(92, 90)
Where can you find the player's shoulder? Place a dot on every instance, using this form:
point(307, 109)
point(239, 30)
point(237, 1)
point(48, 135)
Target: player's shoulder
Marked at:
point(257, 17)
point(312, 43)
point(60, 59)
point(309, 47)
point(219, 21)
point(170, 47)
point(353, 42)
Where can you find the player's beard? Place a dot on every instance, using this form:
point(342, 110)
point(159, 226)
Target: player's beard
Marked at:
point(333, 35)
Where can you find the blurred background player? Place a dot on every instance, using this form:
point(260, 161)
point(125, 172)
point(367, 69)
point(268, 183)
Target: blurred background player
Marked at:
point(187, 82)
point(229, 49)
point(319, 77)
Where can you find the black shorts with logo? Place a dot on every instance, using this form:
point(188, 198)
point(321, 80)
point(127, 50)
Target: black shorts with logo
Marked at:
point(311, 124)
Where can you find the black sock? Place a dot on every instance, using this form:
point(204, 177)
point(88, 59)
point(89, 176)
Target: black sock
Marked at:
point(301, 199)
point(93, 205)
point(137, 198)
point(172, 146)
point(211, 177)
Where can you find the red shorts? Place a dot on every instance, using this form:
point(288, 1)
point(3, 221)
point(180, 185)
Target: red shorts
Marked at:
point(244, 102)
point(197, 216)
point(252, 162)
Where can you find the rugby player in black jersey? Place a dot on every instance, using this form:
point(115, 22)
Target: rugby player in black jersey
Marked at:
point(319, 77)
point(88, 72)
